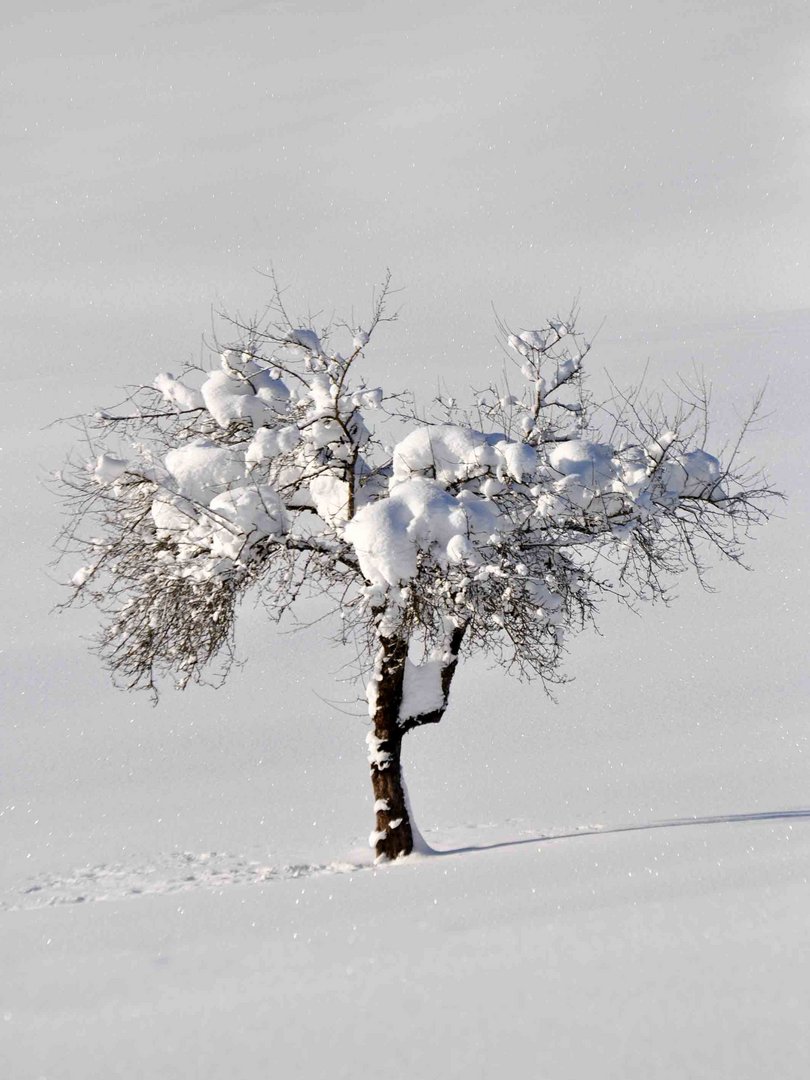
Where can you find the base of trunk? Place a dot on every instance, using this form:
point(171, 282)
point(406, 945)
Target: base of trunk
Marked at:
point(393, 836)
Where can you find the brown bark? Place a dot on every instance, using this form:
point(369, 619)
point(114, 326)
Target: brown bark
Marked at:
point(393, 828)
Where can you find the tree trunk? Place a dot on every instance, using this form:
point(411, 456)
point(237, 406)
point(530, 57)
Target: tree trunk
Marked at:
point(393, 837)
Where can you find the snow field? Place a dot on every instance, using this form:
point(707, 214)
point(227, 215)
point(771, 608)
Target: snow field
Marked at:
point(668, 953)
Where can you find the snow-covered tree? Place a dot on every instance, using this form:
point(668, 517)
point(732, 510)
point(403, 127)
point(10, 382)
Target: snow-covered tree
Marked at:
point(495, 528)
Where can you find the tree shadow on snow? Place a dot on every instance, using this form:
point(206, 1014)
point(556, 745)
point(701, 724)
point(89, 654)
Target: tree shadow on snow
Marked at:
point(597, 830)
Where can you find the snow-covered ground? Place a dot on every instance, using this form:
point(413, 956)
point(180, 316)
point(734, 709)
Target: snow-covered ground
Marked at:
point(663, 952)
point(185, 892)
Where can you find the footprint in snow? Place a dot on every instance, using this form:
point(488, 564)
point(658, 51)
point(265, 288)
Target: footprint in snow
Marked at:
point(174, 873)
